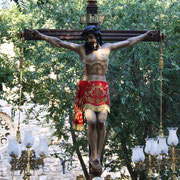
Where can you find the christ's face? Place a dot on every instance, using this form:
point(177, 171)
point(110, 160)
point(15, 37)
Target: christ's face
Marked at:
point(90, 38)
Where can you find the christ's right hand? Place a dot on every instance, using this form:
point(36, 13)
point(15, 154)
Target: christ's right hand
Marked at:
point(35, 33)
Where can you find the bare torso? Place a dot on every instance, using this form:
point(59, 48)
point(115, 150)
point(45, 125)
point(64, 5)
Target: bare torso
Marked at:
point(95, 64)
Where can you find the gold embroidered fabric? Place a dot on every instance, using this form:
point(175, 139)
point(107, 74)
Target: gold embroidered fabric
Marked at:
point(96, 108)
point(92, 95)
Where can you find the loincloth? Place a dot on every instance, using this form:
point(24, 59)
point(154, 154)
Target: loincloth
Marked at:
point(92, 95)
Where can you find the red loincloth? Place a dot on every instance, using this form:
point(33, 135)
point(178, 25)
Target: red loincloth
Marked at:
point(92, 95)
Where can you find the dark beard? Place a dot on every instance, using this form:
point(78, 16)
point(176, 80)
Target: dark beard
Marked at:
point(89, 48)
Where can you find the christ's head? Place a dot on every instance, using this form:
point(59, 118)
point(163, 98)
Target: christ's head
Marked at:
point(92, 37)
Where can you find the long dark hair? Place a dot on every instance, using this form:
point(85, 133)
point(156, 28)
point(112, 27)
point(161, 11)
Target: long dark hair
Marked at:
point(92, 29)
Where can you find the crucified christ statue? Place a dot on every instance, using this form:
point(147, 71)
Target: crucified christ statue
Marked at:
point(92, 97)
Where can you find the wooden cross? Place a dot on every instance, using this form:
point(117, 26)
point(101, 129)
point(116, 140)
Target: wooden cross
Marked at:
point(91, 18)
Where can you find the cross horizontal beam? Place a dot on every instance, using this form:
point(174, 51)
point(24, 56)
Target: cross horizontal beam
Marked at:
point(107, 35)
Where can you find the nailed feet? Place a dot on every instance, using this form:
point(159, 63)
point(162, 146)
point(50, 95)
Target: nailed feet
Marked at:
point(96, 166)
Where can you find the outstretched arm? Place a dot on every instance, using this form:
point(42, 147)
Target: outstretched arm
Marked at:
point(128, 42)
point(57, 42)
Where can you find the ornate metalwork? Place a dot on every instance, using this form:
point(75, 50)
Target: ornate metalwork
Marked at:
point(158, 164)
point(6, 129)
point(92, 19)
point(22, 162)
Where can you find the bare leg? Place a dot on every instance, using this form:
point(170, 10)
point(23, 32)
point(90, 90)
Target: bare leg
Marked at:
point(92, 132)
point(101, 129)
point(93, 140)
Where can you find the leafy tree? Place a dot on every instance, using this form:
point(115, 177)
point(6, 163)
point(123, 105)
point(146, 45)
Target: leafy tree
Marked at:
point(51, 74)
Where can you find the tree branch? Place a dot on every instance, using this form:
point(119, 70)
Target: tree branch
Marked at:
point(77, 149)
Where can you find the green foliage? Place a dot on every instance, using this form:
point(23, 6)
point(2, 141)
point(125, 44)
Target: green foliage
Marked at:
point(51, 74)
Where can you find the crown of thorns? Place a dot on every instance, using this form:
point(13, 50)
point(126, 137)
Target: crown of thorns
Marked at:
point(91, 29)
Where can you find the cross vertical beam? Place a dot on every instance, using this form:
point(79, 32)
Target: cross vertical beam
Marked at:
point(92, 9)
